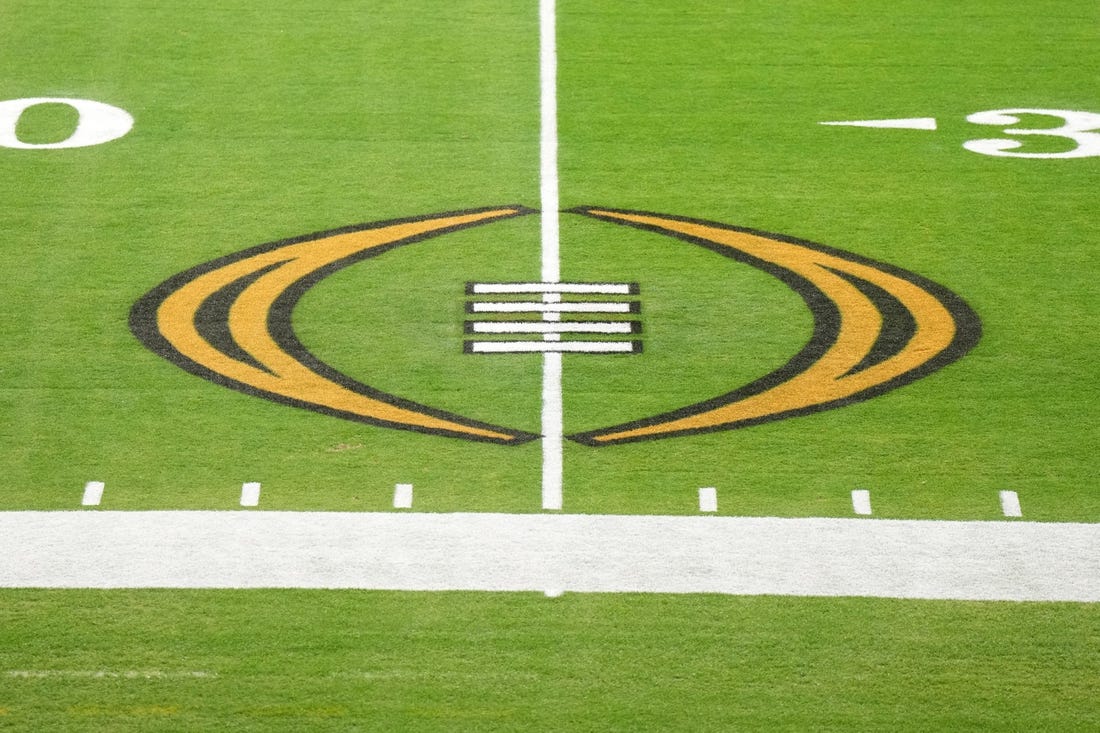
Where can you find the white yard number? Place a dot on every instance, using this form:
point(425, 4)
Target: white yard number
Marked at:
point(1078, 127)
point(98, 123)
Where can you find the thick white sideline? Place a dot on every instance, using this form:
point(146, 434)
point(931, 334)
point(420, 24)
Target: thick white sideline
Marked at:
point(1017, 561)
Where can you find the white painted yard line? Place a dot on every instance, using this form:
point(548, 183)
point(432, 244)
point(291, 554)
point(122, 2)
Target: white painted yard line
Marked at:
point(708, 499)
point(403, 496)
point(1010, 504)
point(861, 501)
point(553, 432)
point(551, 316)
point(93, 493)
point(518, 306)
point(552, 422)
point(1019, 561)
point(554, 287)
point(530, 347)
point(609, 327)
point(548, 140)
point(250, 494)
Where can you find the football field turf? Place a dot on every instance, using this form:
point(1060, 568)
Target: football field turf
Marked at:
point(902, 307)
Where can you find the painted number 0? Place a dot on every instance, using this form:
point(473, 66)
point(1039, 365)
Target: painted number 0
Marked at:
point(98, 123)
point(1078, 127)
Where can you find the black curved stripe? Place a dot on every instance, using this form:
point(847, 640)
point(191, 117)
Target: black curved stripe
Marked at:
point(212, 318)
point(898, 324)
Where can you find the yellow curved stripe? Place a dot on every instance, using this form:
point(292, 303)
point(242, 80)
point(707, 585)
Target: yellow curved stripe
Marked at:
point(827, 379)
point(248, 316)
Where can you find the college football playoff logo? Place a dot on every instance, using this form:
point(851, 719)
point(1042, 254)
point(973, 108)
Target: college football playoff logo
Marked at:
point(876, 327)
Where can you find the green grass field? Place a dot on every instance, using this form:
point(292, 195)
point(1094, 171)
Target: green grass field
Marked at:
point(334, 660)
point(254, 124)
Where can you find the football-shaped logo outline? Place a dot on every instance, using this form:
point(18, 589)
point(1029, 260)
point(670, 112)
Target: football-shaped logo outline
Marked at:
point(877, 327)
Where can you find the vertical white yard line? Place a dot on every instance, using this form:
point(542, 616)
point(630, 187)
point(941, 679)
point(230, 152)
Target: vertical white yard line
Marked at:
point(708, 499)
point(552, 431)
point(548, 141)
point(552, 425)
point(861, 501)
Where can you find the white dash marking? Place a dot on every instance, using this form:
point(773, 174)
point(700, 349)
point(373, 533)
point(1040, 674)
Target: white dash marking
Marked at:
point(250, 494)
point(403, 496)
point(1010, 504)
point(861, 501)
point(93, 493)
point(554, 592)
point(911, 123)
point(708, 499)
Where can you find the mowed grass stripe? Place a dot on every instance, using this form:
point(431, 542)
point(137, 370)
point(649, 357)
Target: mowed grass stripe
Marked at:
point(342, 660)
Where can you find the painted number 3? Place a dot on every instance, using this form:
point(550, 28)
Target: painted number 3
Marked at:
point(1078, 127)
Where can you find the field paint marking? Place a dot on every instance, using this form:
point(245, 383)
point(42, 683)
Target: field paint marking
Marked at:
point(93, 493)
point(1001, 560)
point(912, 123)
point(551, 316)
point(553, 346)
point(97, 123)
point(553, 327)
point(548, 141)
point(861, 501)
point(1010, 504)
point(403, 496)
point(552, 307)
point(708, 499)
point(1083, 128)
point(554, 287)
point(552, 422)
point(552, 431)
point(250, 494)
